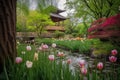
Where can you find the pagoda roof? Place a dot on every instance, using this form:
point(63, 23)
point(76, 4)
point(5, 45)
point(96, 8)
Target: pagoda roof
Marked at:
point(59, 11)
point(57, 17)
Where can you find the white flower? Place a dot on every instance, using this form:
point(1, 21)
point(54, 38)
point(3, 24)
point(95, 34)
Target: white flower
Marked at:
point(28, 48)
point(53, 45)
point(29, 64)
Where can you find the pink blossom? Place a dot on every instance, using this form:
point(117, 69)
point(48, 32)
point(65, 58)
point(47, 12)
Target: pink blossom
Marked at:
point(40, 48)
point(18, 60)
point(114, 52)
point(100, 65)
point(84, 71)
point(60, 54)
point(82, 63)
point(112, 58)
point(44, 46)
point(28, 48)
point(69, 61)
point(51, 57)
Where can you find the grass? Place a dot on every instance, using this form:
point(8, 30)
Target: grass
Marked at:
point(81, 47)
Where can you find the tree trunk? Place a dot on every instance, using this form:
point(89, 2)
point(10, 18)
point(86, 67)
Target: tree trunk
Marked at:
point(7, 30)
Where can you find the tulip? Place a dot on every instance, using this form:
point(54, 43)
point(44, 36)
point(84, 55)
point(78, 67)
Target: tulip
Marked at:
point(29, 64)
point(112, 58)
point(100, 65)
point(44, 46)
point(82, 63)
point(40, 48)
point(69, 61)
point(51, 57)
point(53, 45)
point(28, 48)
point(114, 52)
point(60, 54)
point(36, 56)
point(18, 60)
point(84, 71)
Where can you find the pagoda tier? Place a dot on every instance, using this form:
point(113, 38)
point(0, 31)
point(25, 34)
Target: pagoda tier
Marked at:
point(56, 17)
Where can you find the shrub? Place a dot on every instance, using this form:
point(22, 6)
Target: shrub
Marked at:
point(58, 34)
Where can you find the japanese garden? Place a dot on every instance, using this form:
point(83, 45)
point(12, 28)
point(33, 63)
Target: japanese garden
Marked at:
point(59, 39)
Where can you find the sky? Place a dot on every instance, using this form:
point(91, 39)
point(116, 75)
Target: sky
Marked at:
point(61, 5)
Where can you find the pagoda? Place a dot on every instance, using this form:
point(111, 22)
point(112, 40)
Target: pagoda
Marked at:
point(59, 21)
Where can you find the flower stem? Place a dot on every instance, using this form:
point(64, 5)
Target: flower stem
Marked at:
point(6, 73)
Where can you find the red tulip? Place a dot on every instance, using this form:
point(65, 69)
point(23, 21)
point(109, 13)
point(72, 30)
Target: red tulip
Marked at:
point(114, 52)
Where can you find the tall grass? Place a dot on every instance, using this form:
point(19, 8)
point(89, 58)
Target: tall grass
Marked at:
point(44, 69)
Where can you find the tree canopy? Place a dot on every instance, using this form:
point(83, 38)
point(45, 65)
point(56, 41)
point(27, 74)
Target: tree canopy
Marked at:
point(96, 9)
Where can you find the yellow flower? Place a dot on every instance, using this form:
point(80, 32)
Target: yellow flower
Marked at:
point(36, 56)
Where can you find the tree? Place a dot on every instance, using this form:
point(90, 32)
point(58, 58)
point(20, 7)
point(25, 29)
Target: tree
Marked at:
point(94, 8)
point(22, 11)
point(38, 21)
point(7, 30)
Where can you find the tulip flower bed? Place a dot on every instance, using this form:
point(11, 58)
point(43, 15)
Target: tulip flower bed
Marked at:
point(42, 62)
point(81, 46)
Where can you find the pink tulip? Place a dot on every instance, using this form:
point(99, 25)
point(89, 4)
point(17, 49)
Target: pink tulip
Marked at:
point(84, 71)
point(82, 63)
point(100, 65)
point(114, 52)
point(44, 46)
point(28, 48)
point(112, 58)
point(60, 54)
point(69, 61)
point(18, 60)
point(51, 57)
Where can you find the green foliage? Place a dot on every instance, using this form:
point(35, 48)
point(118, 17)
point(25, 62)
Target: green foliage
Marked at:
point(87, 9)
point(75, 34)
point(38, 21)
point(58, 34)
point(83, 47)
point(47, 10)
point(102, 48)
